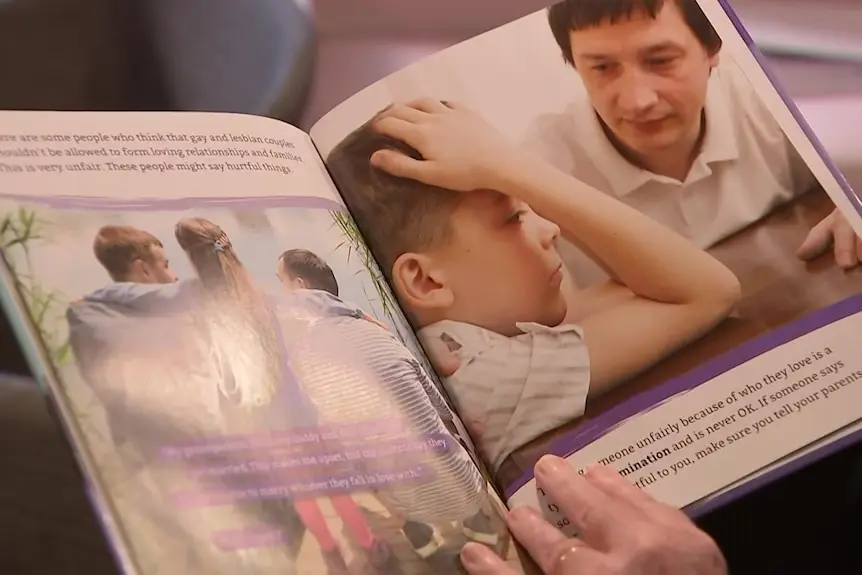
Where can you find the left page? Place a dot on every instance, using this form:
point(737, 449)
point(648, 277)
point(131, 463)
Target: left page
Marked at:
point(240, 387)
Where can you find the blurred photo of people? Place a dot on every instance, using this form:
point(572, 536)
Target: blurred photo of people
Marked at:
point(138, 345)
point(277, 377)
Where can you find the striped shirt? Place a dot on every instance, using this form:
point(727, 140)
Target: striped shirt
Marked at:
point(513, 389)
point(355, 371)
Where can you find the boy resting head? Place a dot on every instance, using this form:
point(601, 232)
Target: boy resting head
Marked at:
point(464, 225)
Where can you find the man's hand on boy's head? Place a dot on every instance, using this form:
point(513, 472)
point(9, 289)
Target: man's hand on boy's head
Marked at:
point(460, 150)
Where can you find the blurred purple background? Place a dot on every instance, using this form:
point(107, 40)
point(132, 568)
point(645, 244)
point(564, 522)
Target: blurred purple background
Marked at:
point(361, 42)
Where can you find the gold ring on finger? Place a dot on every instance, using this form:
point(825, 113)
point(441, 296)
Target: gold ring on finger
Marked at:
point(564, 560)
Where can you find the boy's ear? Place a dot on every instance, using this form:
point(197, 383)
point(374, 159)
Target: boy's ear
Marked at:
point(714, 59)
point(138, 269)
point(420, 284)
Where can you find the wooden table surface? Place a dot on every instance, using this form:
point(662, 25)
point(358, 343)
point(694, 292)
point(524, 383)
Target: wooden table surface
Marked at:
point(776, 289)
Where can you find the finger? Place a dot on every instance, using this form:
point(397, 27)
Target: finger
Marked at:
point(429, 106)
point(454, 105)
point(649, 510)
point(817, 241)
point(580, 559)
point(859, 249)
point(544, 542)
point(402, 166)
point(593, 513)
point(407, 112)
point(397, 129)
point(554, 553)
point(617, 487)
point(476, 429)
point(845, 245)
point(480, 560)
point(443, 359)
point(446, 365)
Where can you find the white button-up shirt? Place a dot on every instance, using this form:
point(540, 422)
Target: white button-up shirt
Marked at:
point(746, 166)
point(515, 388)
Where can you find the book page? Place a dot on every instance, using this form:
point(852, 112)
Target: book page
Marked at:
point(687, 365)
point(240, 385)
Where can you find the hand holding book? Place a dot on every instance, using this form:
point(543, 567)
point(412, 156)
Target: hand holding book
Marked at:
point(623, 531)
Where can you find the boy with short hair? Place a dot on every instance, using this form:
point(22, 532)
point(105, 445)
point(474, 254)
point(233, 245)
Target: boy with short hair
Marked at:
point(303, 269)
point(300, 269)
point(447, 206)
point(142, 362)
point(136, 262)
point(130, 254)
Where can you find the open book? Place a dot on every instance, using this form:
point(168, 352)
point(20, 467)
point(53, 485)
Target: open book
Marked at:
point(581, 238)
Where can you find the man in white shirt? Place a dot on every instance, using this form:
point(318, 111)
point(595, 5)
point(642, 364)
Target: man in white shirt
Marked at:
point(671, 129)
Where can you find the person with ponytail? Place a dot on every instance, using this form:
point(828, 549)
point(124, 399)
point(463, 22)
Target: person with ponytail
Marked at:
point(259, 391)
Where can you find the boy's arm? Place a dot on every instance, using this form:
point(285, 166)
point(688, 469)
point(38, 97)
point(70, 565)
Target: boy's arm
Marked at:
point(95, 367)
point(326, 304)
point(165, 298)
point(680, 291)
point(83, 349)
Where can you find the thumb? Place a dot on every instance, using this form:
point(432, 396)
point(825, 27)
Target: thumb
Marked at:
point(447, 365)
point(479, 560)
point(817, 241)
point(400, 165)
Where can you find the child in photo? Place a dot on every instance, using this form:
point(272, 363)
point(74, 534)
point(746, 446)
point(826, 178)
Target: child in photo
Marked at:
point(299, 269)
point(465, 226)
point(303, 269)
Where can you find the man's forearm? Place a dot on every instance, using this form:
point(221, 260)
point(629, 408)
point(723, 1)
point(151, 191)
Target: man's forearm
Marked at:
point(652, 260)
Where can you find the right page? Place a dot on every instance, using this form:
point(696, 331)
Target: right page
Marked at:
point(618, 242)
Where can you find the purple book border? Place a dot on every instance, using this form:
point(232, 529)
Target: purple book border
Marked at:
point(71, 202)
point(817, 454)
point(596, 428)
point(702, 508)
point(790, 467)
